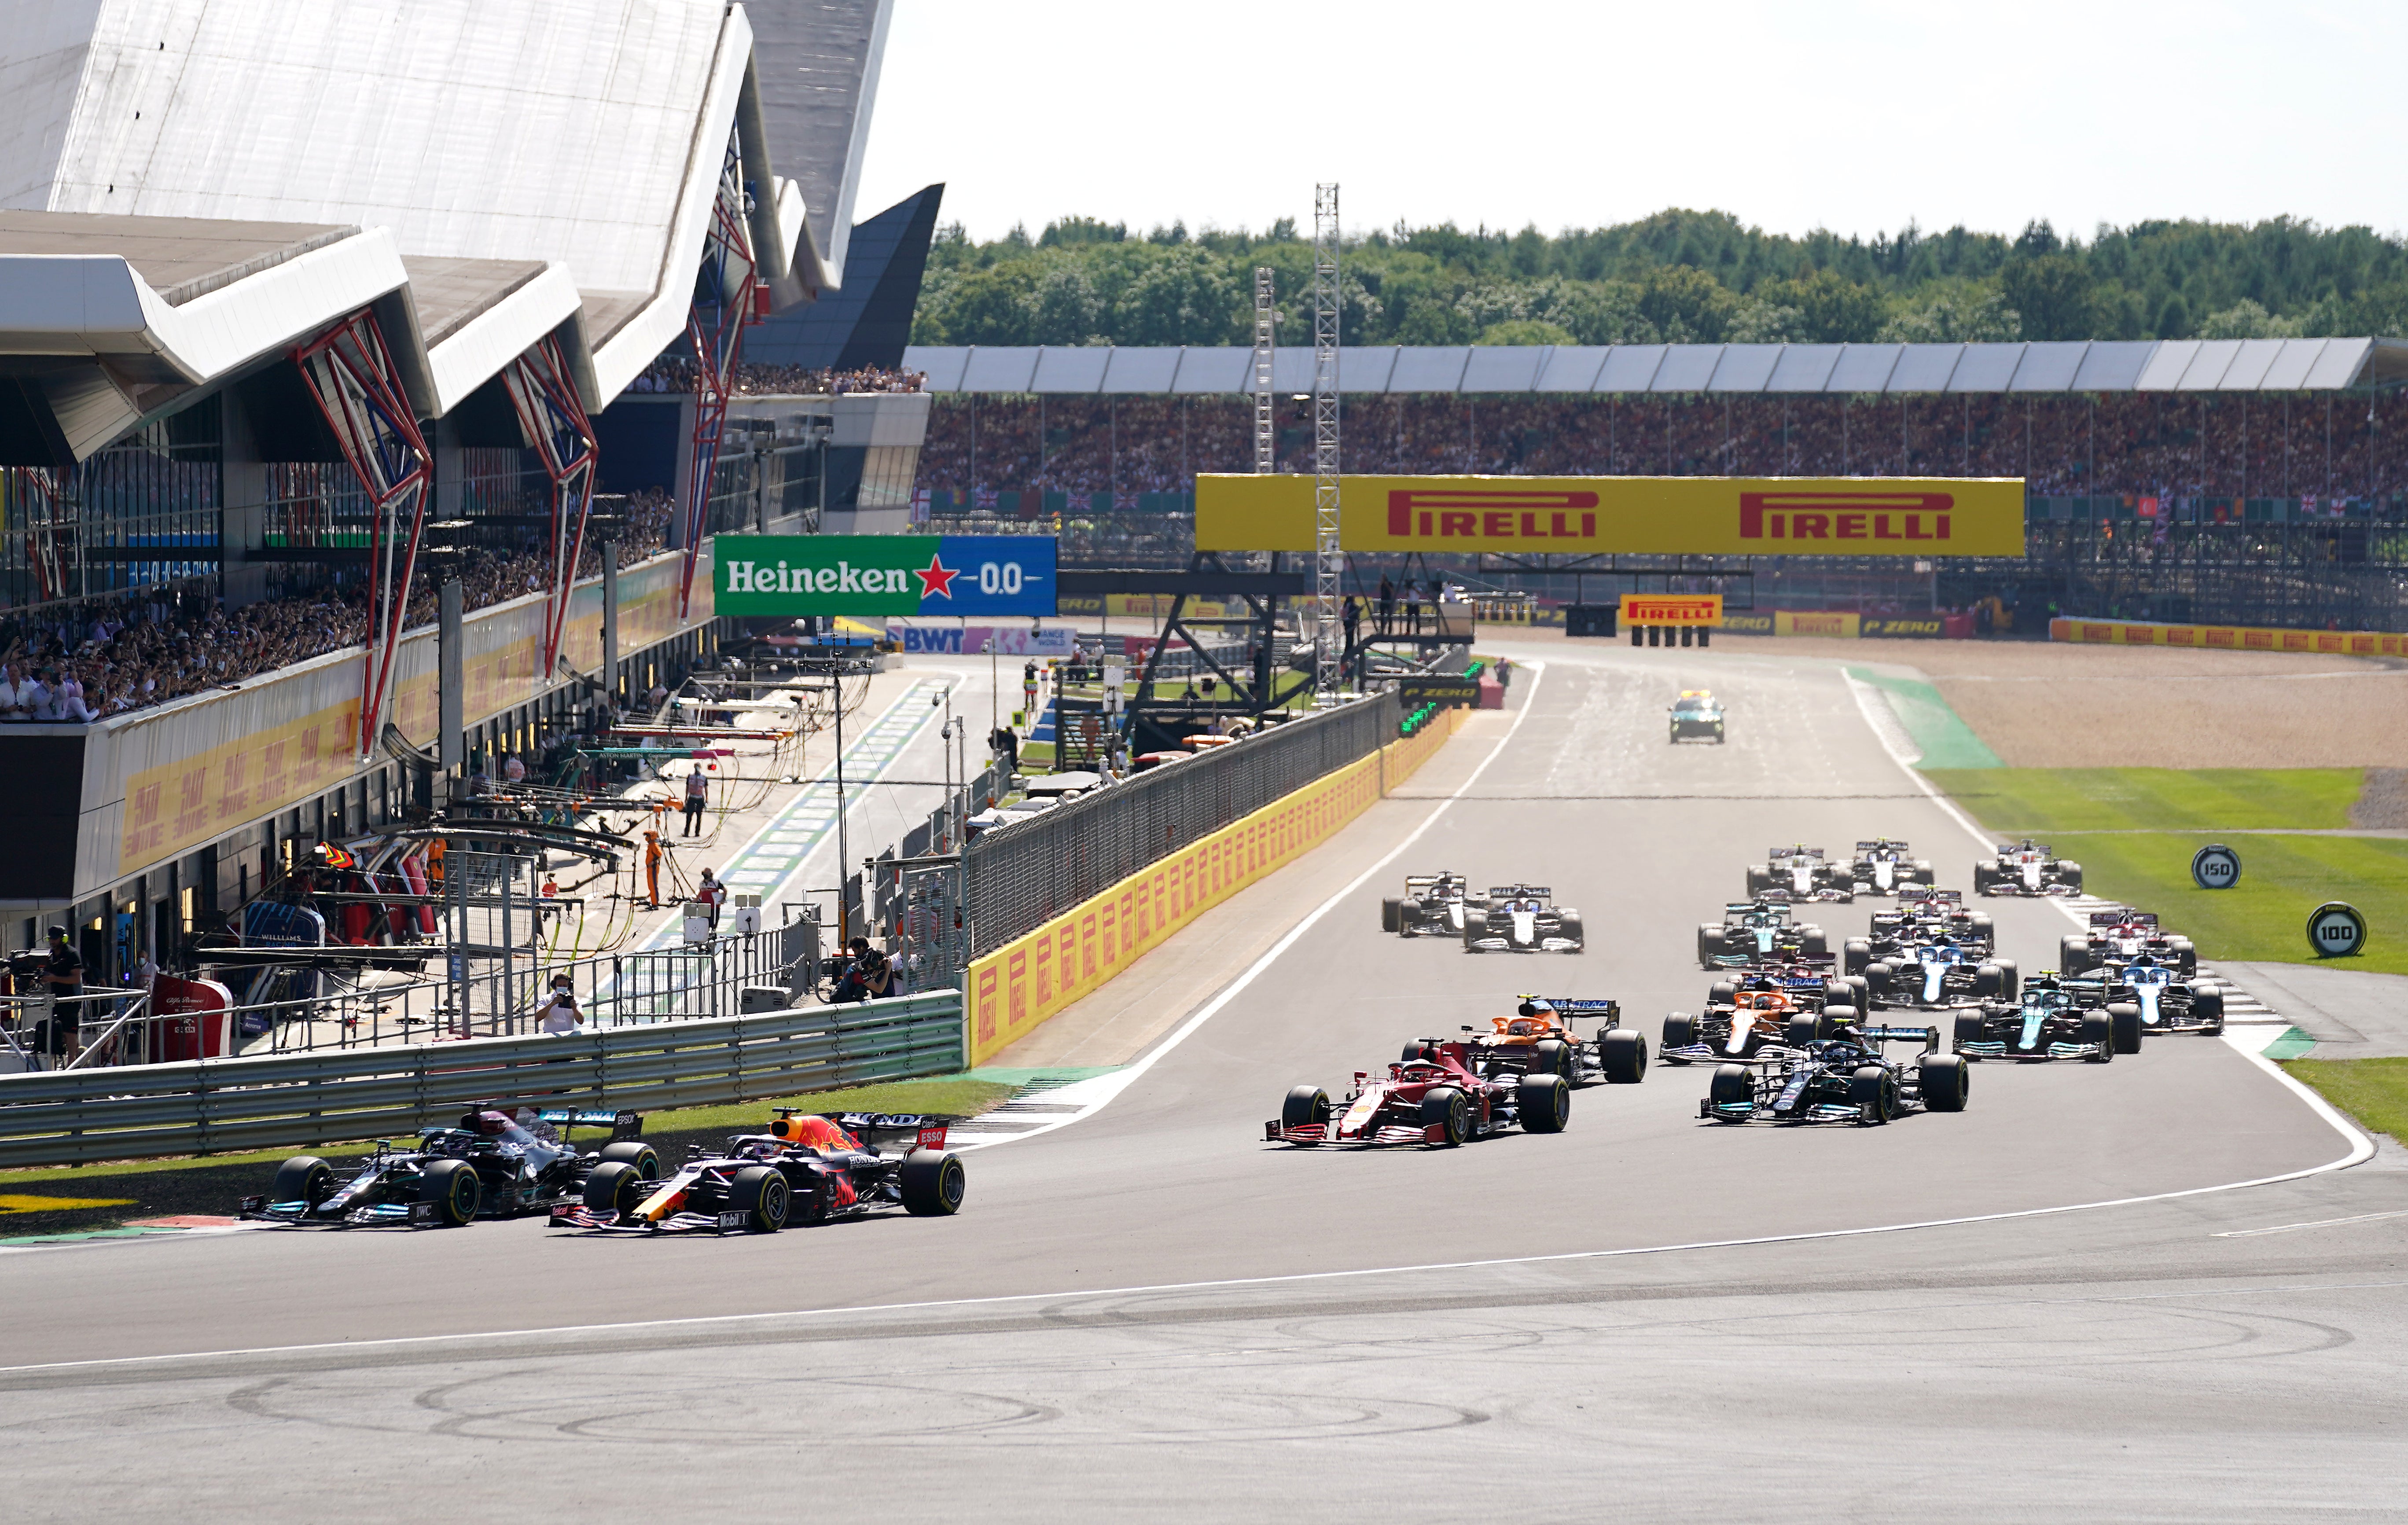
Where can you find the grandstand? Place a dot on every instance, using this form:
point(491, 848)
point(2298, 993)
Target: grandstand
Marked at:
point(296, 298)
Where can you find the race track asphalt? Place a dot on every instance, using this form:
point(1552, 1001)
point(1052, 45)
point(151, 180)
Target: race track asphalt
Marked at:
point(1152, 1312)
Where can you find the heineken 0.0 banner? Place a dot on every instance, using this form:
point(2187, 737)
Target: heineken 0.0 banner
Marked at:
point(882, 574)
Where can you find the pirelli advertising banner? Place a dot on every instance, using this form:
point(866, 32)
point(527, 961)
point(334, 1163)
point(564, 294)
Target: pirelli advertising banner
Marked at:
point(1796, 516)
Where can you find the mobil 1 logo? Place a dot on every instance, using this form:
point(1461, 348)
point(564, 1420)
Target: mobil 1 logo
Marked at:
point(2215, 866)
point(2336, 931)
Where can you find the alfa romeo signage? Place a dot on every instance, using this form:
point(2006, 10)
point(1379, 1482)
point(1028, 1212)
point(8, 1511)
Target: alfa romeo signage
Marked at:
point(872, 575)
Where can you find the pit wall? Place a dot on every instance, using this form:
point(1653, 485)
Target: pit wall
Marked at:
point(1014, 989)
point(2228, 638)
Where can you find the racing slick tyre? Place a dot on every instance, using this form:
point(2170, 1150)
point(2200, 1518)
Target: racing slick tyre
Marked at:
point(1875, 1091)
point(1417, 1051)
point(1812, 941)
point(1759, 879)
point(933, 1184)
point(1860, 992)
point(1984, 930)
point(1836, 993)
point(1943, 1081)
point(1710, 946)
point(452, 1186)
point(2126, 1025)
point(1969, 1031)
point(643, 1157)
point(305, 1179)
point(614, 1187)
point(2070, 876)
point(1803, 1029)
point(1855, 954)
point(1722, 993)
point(1733, 1086)
point(1391, 916)
point(2208, 1006)
point(2074, 953)
point(1988, 979)
point(1449, 1109)
point(1836, 1017)
point(2010, 979)
point(1623, 1055)
point(1571, 929)
point(1923, 872)
point(1981, 879)
point(2184, 955)
point(1544, 1102)
point(760, 1193)
point(1679, 1032)
point(2099, 1028)
point(1307, 1106)
point(1879, 977)
point(1549, 1057)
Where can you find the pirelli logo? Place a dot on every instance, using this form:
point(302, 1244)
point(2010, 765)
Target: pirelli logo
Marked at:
point(1844, 516)
point(1476, 514)
point(1703, 609)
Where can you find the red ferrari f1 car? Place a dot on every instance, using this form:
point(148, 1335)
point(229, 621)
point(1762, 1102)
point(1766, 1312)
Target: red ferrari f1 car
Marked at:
point(1439, 1097)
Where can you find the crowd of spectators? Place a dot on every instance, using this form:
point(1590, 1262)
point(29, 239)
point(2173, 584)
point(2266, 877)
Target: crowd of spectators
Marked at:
point(675, 374)
point(2314, 446)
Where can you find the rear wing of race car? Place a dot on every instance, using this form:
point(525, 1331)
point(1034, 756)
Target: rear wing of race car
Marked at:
point(1568, 1007)
point(623, 1124)
point(1883, 844)
point(1508, 892)
point(926, 1133)
point(2119, 918)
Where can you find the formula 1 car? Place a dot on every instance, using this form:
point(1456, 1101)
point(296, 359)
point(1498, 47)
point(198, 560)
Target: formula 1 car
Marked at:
point(1803, 872)
point(1520, 918)
point(2027, 867)
point(490, 1165)
point(1939, 974)
point(1433, 905)
point(1881, 866)
point(1744, 1016)
point(2121, 934)
point(1698, 712)
point(1757, 932)
point(1441, 1097)
point(1538, 1040)
point(2165, 1000)
point(1923, 915)
point(1838, 1074)
point(2049, 1023)
point(807, 1168)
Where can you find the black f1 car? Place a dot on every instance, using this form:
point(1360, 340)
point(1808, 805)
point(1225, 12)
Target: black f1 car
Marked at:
point(1433, 905)
point(1698, 712)
point(2049, 1023)
point(1804, 872)
point(2026, 868)
point(808, 1168)
point(1538, 1040)
point(1923, 915)
point(1441, 1097)
point(1523, 918)
point(1882, 867)
point(1837, 1072)
point(492, 1164)
point(2121, 934)
point(1756, 932)
point(1745, 1014)
point(1939, 974)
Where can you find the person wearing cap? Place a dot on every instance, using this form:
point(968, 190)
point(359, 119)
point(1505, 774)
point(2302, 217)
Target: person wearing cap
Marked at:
point(60, 1035)
point(711, 892)
point(558, 1014)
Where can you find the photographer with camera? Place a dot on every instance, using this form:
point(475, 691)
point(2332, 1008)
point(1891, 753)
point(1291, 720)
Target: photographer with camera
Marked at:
point(866, 977)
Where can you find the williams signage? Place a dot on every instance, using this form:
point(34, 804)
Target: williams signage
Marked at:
point(870, 575)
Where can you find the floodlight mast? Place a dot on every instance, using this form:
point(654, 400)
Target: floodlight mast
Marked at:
point(1265, 325)
point(1329, 560)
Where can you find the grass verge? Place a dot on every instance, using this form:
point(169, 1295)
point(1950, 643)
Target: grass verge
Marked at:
point(209, 1184)
point(2018, 802)
point(2374, 1091)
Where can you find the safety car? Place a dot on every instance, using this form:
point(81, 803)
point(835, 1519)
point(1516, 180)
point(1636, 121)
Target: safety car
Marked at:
point(1523, 918)
point(1833, 1069)
point(2026, 868)
point(1939, 974)
point(2121, 934)
point(807, 1168)
point(1539, 1039)
point(1439, 1097)
point(1804, 872)
point(2049, 1022)
point(1882, 867)
point(1432, 905)
point(490, 1164)
point(1757, 932)
point(1696, 713)
point(1744, 1015)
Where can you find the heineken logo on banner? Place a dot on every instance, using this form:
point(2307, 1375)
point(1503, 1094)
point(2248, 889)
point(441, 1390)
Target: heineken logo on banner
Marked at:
point(871, 575)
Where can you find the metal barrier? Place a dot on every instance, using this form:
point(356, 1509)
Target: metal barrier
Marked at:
point(63, 1118)
point(1021, 876)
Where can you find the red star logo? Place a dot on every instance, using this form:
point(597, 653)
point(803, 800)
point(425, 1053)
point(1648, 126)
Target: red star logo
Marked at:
point(937, 581)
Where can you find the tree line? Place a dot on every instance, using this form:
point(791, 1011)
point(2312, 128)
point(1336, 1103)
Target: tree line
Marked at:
point(1677, 277)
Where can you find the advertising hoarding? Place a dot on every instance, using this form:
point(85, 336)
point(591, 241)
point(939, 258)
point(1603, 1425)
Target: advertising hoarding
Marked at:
point(871, 575)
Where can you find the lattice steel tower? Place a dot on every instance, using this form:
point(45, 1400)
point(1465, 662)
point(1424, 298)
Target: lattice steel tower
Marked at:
point(1266, 320)
point(1328, 561)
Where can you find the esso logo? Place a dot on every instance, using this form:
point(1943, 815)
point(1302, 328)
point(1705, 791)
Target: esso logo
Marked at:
point(2336, 931)
point(2215, 866)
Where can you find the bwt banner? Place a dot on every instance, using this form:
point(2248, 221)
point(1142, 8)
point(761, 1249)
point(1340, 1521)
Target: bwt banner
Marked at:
point(971, 640)
point(1854, 516)
point(871, 575)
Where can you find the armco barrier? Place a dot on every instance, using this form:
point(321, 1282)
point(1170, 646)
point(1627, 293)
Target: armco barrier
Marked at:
point(2228, 637)
point(76, 1116)
point(1019, 986)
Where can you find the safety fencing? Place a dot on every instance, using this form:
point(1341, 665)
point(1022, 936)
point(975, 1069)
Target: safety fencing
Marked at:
point(2228, 637)
point(1021, 876)
point(1020, 984)
point(299, 1100)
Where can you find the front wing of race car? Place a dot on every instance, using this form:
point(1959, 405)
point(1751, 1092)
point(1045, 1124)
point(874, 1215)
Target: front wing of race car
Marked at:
point(2020, 1035)
point(1788, 1085)
point(299, 1214)
point(1326, 1133)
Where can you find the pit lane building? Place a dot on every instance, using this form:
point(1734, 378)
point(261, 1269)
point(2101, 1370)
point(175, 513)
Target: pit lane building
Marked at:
point(293, 283)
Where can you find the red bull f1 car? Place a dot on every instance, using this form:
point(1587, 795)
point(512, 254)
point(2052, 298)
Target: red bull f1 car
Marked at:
point(2121, 934)
point(1882, 867)
point(1433, 905)
point(1539, 1039)
point(2050, 1022)
point(2026, 868)
point(490, 1164)
point(1523, 918)
point(1441, 1098)
point(1805, 873)
point(806, 1169)
point(1758, 932)
point(1839, 1075)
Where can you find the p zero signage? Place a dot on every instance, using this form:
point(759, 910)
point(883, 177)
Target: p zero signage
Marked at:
point(1705, 609)
point(1867, 516)
point(872, 575)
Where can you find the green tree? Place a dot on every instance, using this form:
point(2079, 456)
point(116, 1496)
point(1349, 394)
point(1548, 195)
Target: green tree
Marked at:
point(1183, 297)
point(2053, 293)
point(1524, 331)
point(1685, 304)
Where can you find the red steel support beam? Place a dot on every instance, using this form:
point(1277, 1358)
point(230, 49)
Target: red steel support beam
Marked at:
point(553, 418)
point(723, 303)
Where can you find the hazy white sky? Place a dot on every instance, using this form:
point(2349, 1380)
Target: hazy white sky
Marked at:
point(1853, 114)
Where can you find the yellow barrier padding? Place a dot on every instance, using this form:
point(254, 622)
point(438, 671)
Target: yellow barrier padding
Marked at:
point(2228, 638)
point(1015, 988)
